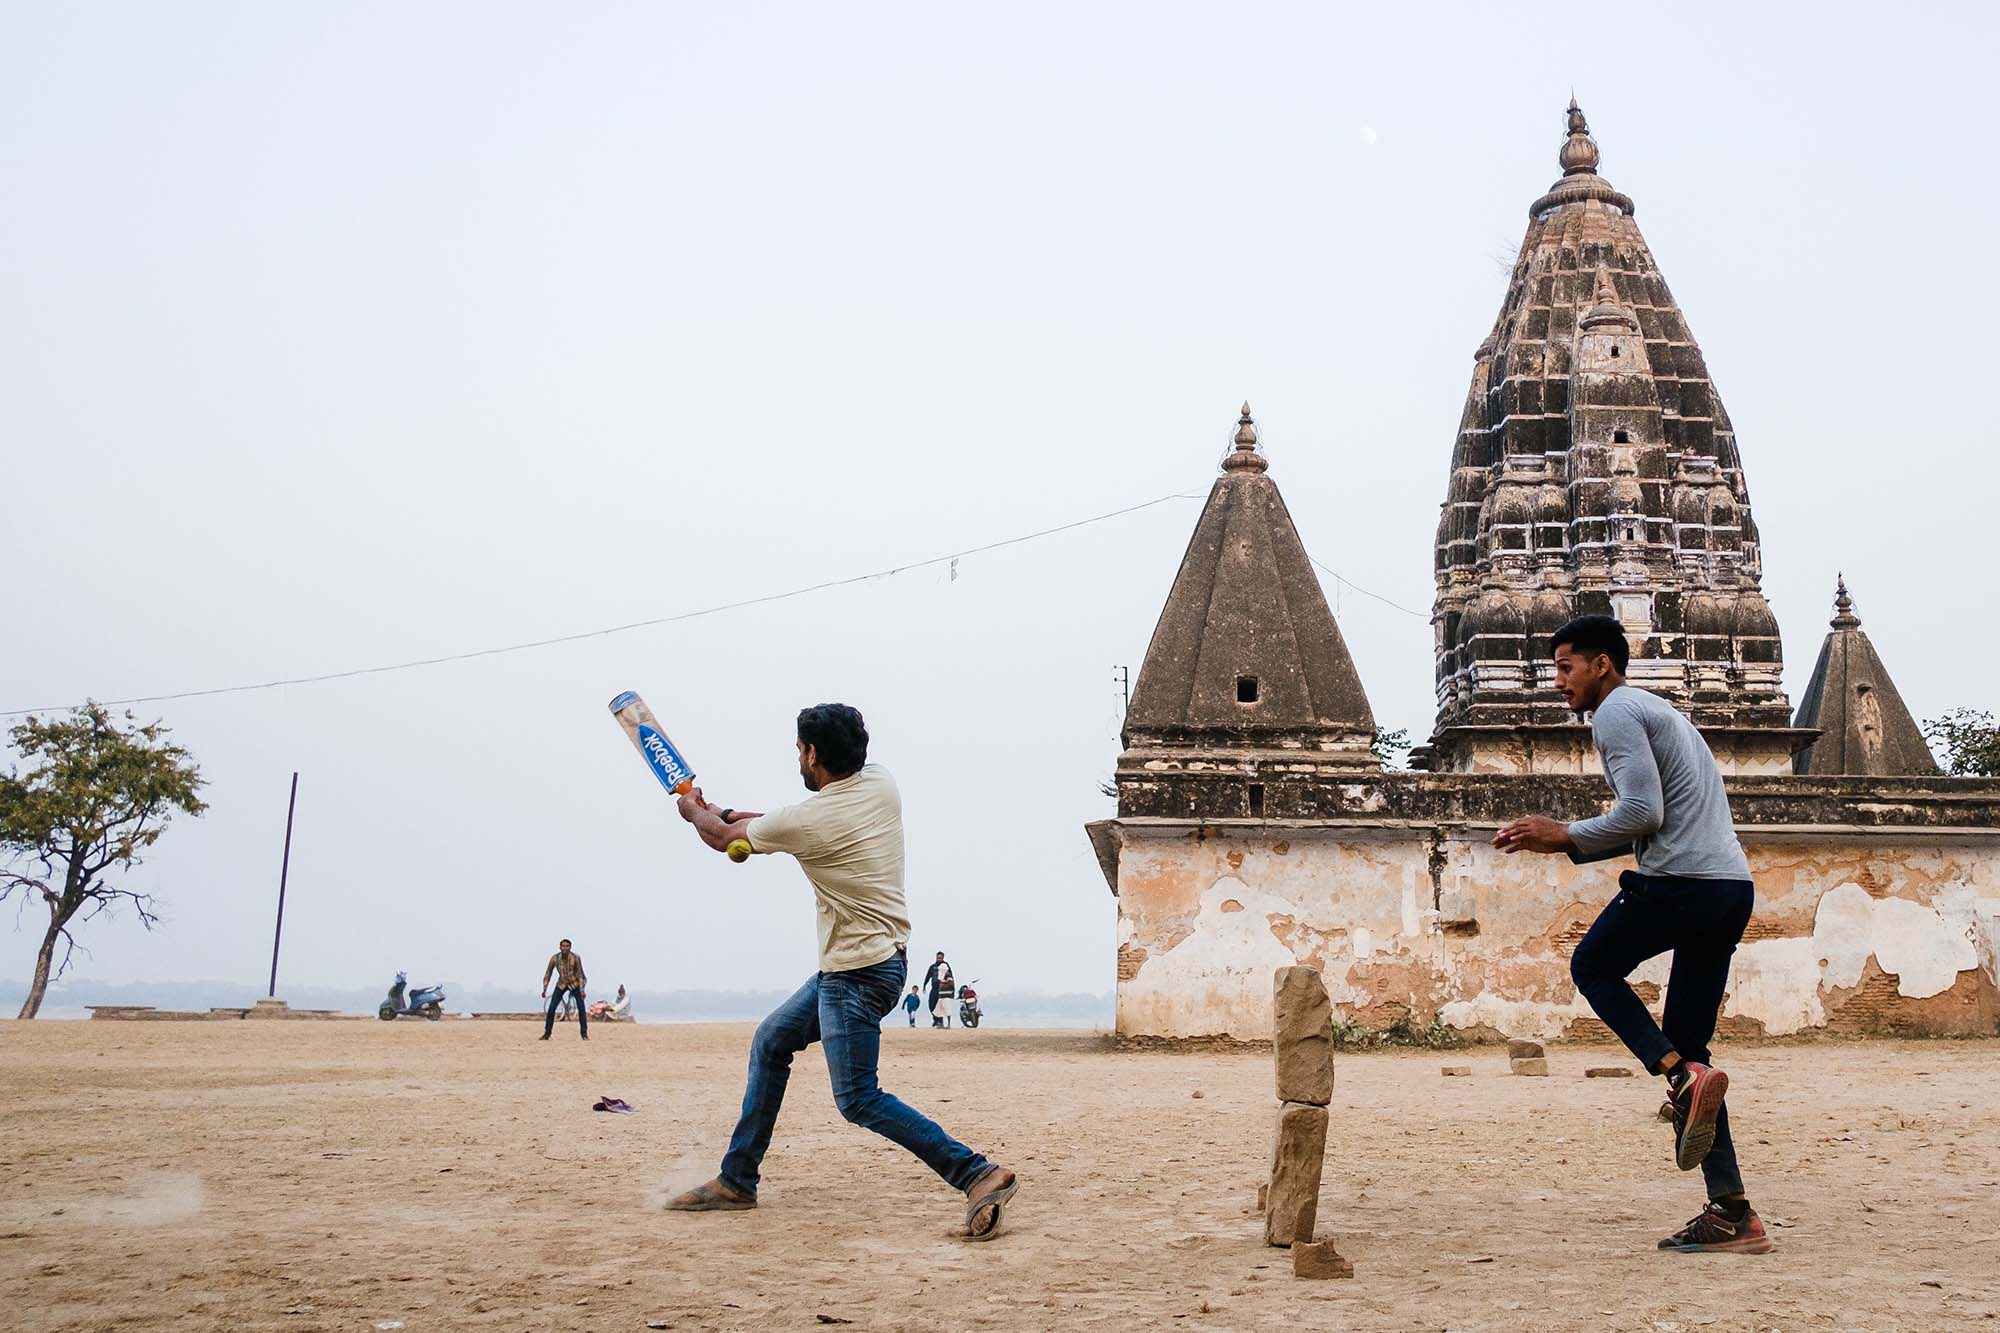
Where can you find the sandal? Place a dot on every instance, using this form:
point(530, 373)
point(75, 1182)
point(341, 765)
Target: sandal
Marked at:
point(997, 1201)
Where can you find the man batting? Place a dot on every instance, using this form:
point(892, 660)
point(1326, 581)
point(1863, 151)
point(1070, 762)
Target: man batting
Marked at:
point(1691, 894)
point(848, 838)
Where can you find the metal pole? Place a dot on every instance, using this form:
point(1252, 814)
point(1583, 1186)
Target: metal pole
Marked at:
point(284, 870)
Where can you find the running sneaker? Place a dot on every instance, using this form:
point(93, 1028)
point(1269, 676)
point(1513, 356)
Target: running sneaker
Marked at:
point(1695, 1107)
point(1711, 1232)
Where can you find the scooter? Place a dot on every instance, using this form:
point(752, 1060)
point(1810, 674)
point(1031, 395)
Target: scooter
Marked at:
point(401, 1002)
point(968, 1004)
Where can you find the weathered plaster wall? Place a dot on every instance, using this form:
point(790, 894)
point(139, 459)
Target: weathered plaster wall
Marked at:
point(1854, 931)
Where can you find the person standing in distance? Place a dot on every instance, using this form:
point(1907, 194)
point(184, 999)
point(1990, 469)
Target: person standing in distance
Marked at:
point(910, 1003)
point(938, 980)
point(567, 969)
point(1691, 894)
point(848, 838)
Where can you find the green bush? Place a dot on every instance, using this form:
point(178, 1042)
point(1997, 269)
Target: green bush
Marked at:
point(1437, 1035)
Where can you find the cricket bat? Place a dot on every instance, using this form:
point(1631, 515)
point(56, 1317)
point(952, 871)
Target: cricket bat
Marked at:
point(666, 763)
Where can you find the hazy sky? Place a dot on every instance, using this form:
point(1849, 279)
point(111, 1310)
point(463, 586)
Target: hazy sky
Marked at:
point(344, 334)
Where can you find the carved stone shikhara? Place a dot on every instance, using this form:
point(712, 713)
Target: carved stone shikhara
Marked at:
point(1595, 470)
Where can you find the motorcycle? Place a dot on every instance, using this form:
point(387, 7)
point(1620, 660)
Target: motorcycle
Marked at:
point(401, 1002)
point(968, 1004)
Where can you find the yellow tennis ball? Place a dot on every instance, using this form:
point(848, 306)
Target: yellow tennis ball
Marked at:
point(739, 850)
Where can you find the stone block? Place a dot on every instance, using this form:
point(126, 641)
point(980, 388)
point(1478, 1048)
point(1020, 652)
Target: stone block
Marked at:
point(1534, 1068)
point(1302, 1036)
point(1518, 1049)
point(1318, 1258)
point(1291, 1206)
point(1607, 1071)
point(1262, 1191)
point(1456, 1071)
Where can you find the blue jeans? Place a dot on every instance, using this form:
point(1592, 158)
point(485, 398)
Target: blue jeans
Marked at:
point(1701, 920)
point(843, 1011)
point(555, 1002)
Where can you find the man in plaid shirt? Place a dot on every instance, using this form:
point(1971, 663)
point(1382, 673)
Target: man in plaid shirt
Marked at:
point(567, 968)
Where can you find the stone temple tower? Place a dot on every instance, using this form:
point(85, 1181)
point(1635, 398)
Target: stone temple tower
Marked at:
point(1596, 471)
point(1864, 726)
point(1247, 670)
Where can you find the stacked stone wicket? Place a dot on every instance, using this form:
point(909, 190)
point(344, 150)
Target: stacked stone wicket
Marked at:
point(1302, 1044)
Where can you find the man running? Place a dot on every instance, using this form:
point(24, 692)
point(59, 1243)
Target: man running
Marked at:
point(1691, 894)
point(567, 969)
point(848, 838)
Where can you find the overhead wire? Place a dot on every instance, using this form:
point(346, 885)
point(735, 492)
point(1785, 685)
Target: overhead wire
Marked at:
point(1350, 583)
point(413, 663)
point(677, 618)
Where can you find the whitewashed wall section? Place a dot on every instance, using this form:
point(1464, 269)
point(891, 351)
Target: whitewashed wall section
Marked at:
point(1447, 926)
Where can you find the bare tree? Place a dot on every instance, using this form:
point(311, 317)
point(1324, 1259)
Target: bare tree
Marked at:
point(94, 796)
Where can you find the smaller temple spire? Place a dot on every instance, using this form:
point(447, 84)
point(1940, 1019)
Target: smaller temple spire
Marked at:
point(1865, 727)
point(1843, 606)
point(1246, 664)
point(1606, 310)
point(1244, 457)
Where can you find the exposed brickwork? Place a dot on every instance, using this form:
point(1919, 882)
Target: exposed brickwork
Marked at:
point(1876, 1008)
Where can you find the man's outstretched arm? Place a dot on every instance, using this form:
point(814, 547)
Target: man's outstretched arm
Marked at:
point(708, 822)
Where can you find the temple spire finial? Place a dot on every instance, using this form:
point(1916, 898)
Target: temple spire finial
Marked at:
point(1579, 153)
point(1244, 457)
point(1843, 606)
point(1580, 182)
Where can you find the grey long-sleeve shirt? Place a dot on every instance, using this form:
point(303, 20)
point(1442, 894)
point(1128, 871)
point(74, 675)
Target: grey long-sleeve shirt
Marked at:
point(1670, 809)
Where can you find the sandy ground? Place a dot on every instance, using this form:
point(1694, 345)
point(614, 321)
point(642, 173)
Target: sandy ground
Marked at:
point(452, 1176)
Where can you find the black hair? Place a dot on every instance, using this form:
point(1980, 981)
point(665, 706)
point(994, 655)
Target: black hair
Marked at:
point(562, 941)
point(1591, 635)
point(837, 734)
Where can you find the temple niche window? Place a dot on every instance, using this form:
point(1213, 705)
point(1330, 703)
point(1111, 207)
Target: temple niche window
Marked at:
point(1246, 689)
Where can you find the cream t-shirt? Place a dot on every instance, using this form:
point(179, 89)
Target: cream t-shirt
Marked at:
point(848, 837)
